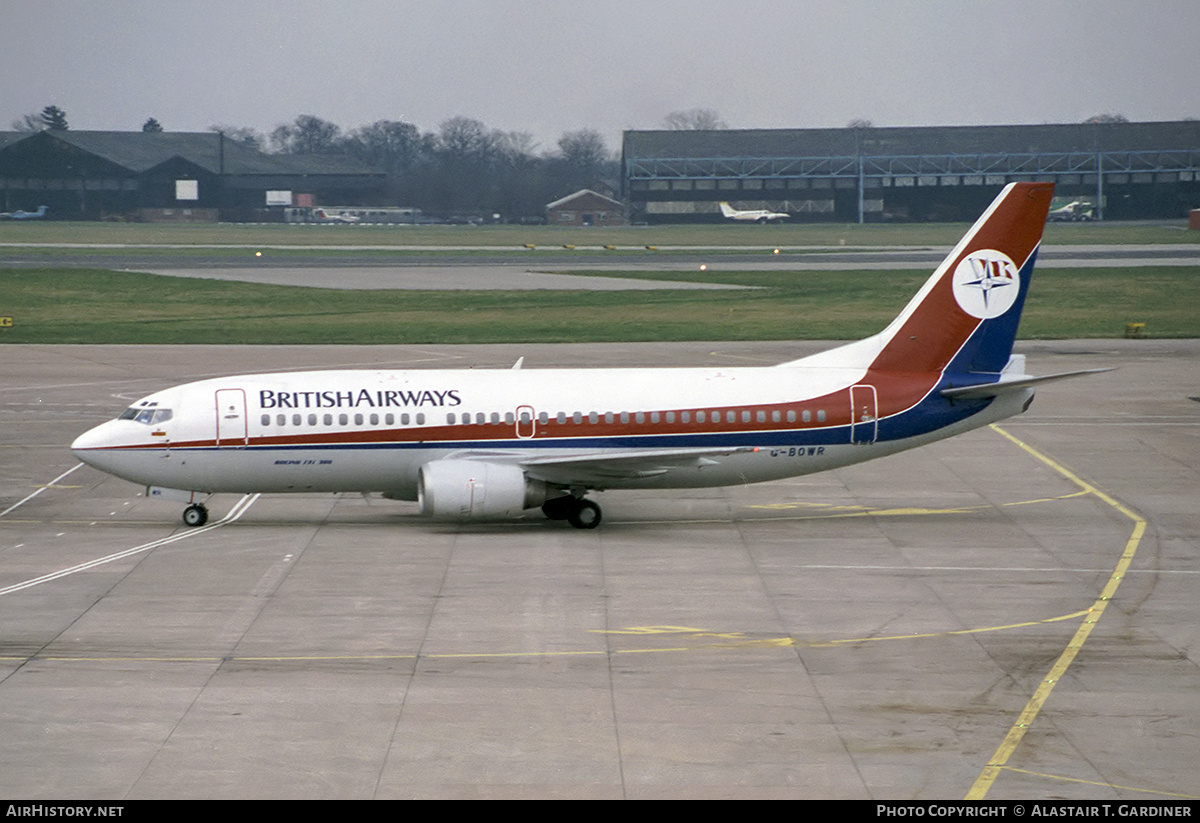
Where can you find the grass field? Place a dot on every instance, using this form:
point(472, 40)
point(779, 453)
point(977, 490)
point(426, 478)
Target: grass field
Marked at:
point(699, 236)
point(65, 305)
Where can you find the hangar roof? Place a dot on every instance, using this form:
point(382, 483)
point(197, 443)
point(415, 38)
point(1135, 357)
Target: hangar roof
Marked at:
point(140, 151)
point(7, 137)
point(909, 141)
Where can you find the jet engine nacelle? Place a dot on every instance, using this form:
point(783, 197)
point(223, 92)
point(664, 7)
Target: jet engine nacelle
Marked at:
point(469, 489)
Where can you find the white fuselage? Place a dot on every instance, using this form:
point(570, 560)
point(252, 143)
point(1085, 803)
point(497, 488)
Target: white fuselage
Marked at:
point(372, 430)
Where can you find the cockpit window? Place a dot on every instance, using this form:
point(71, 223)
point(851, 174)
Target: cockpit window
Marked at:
point(149, 416)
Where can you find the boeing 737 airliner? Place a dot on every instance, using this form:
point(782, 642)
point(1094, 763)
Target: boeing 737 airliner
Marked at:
point(495, 443)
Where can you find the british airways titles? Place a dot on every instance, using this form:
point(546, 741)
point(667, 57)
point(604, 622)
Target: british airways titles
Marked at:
point(382, 398)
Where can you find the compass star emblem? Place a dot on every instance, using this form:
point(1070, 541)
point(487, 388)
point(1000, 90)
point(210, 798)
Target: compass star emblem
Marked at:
point(986, 283)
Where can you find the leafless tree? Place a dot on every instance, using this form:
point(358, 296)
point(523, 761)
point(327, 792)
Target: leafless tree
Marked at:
point(242, 134)
point(28, 122)
point(463, 139)
point(584, 149)
point(392, 145)
point(307, 134)
point(694, 120)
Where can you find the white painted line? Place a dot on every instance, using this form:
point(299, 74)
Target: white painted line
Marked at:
point(237, 511)
point(39, 491)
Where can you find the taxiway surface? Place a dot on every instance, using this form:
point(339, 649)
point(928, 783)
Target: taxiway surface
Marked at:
point(475, 267)
point(873, 632)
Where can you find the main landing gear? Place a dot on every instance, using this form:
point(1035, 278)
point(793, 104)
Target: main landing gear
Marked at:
point(579, 512)
point(195, 515)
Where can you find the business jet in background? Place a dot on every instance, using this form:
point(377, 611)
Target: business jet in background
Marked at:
point(752, 215)
point(21, 214)
point(323, 216)
point(496, 443)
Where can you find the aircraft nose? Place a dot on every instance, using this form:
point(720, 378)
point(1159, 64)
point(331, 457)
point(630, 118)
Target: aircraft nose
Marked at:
point(91, 439)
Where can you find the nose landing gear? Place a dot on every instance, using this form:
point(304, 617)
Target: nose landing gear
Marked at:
point(195, 515)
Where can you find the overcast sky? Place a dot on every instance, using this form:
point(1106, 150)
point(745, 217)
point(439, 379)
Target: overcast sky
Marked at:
point(552, 66)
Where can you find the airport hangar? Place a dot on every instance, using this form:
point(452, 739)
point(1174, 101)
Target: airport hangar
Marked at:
point(156, 176)
point(868, 174)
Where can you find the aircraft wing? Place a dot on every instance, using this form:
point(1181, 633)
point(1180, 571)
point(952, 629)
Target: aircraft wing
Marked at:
point(598, 469)
point(1003, 385)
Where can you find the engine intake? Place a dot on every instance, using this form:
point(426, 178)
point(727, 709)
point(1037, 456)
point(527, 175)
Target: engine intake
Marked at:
point(473, 489)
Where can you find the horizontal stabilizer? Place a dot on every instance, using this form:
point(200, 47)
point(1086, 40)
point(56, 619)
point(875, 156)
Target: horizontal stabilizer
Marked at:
point(1005, 385)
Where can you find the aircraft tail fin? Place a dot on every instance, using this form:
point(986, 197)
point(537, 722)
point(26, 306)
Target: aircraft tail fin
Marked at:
point(727, 210)
point(965, 317)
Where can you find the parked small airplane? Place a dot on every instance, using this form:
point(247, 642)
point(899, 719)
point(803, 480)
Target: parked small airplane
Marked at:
point(492, 443)
point(752, 215)
point(323, 216)
point(21, 214)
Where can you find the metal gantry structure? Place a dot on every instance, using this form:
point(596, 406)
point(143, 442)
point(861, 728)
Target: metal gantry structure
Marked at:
point(866, 172)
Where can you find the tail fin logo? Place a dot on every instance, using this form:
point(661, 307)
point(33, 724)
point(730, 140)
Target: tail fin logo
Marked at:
point(986, 283)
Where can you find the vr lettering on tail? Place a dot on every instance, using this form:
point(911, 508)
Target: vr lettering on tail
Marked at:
point(986, 283)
